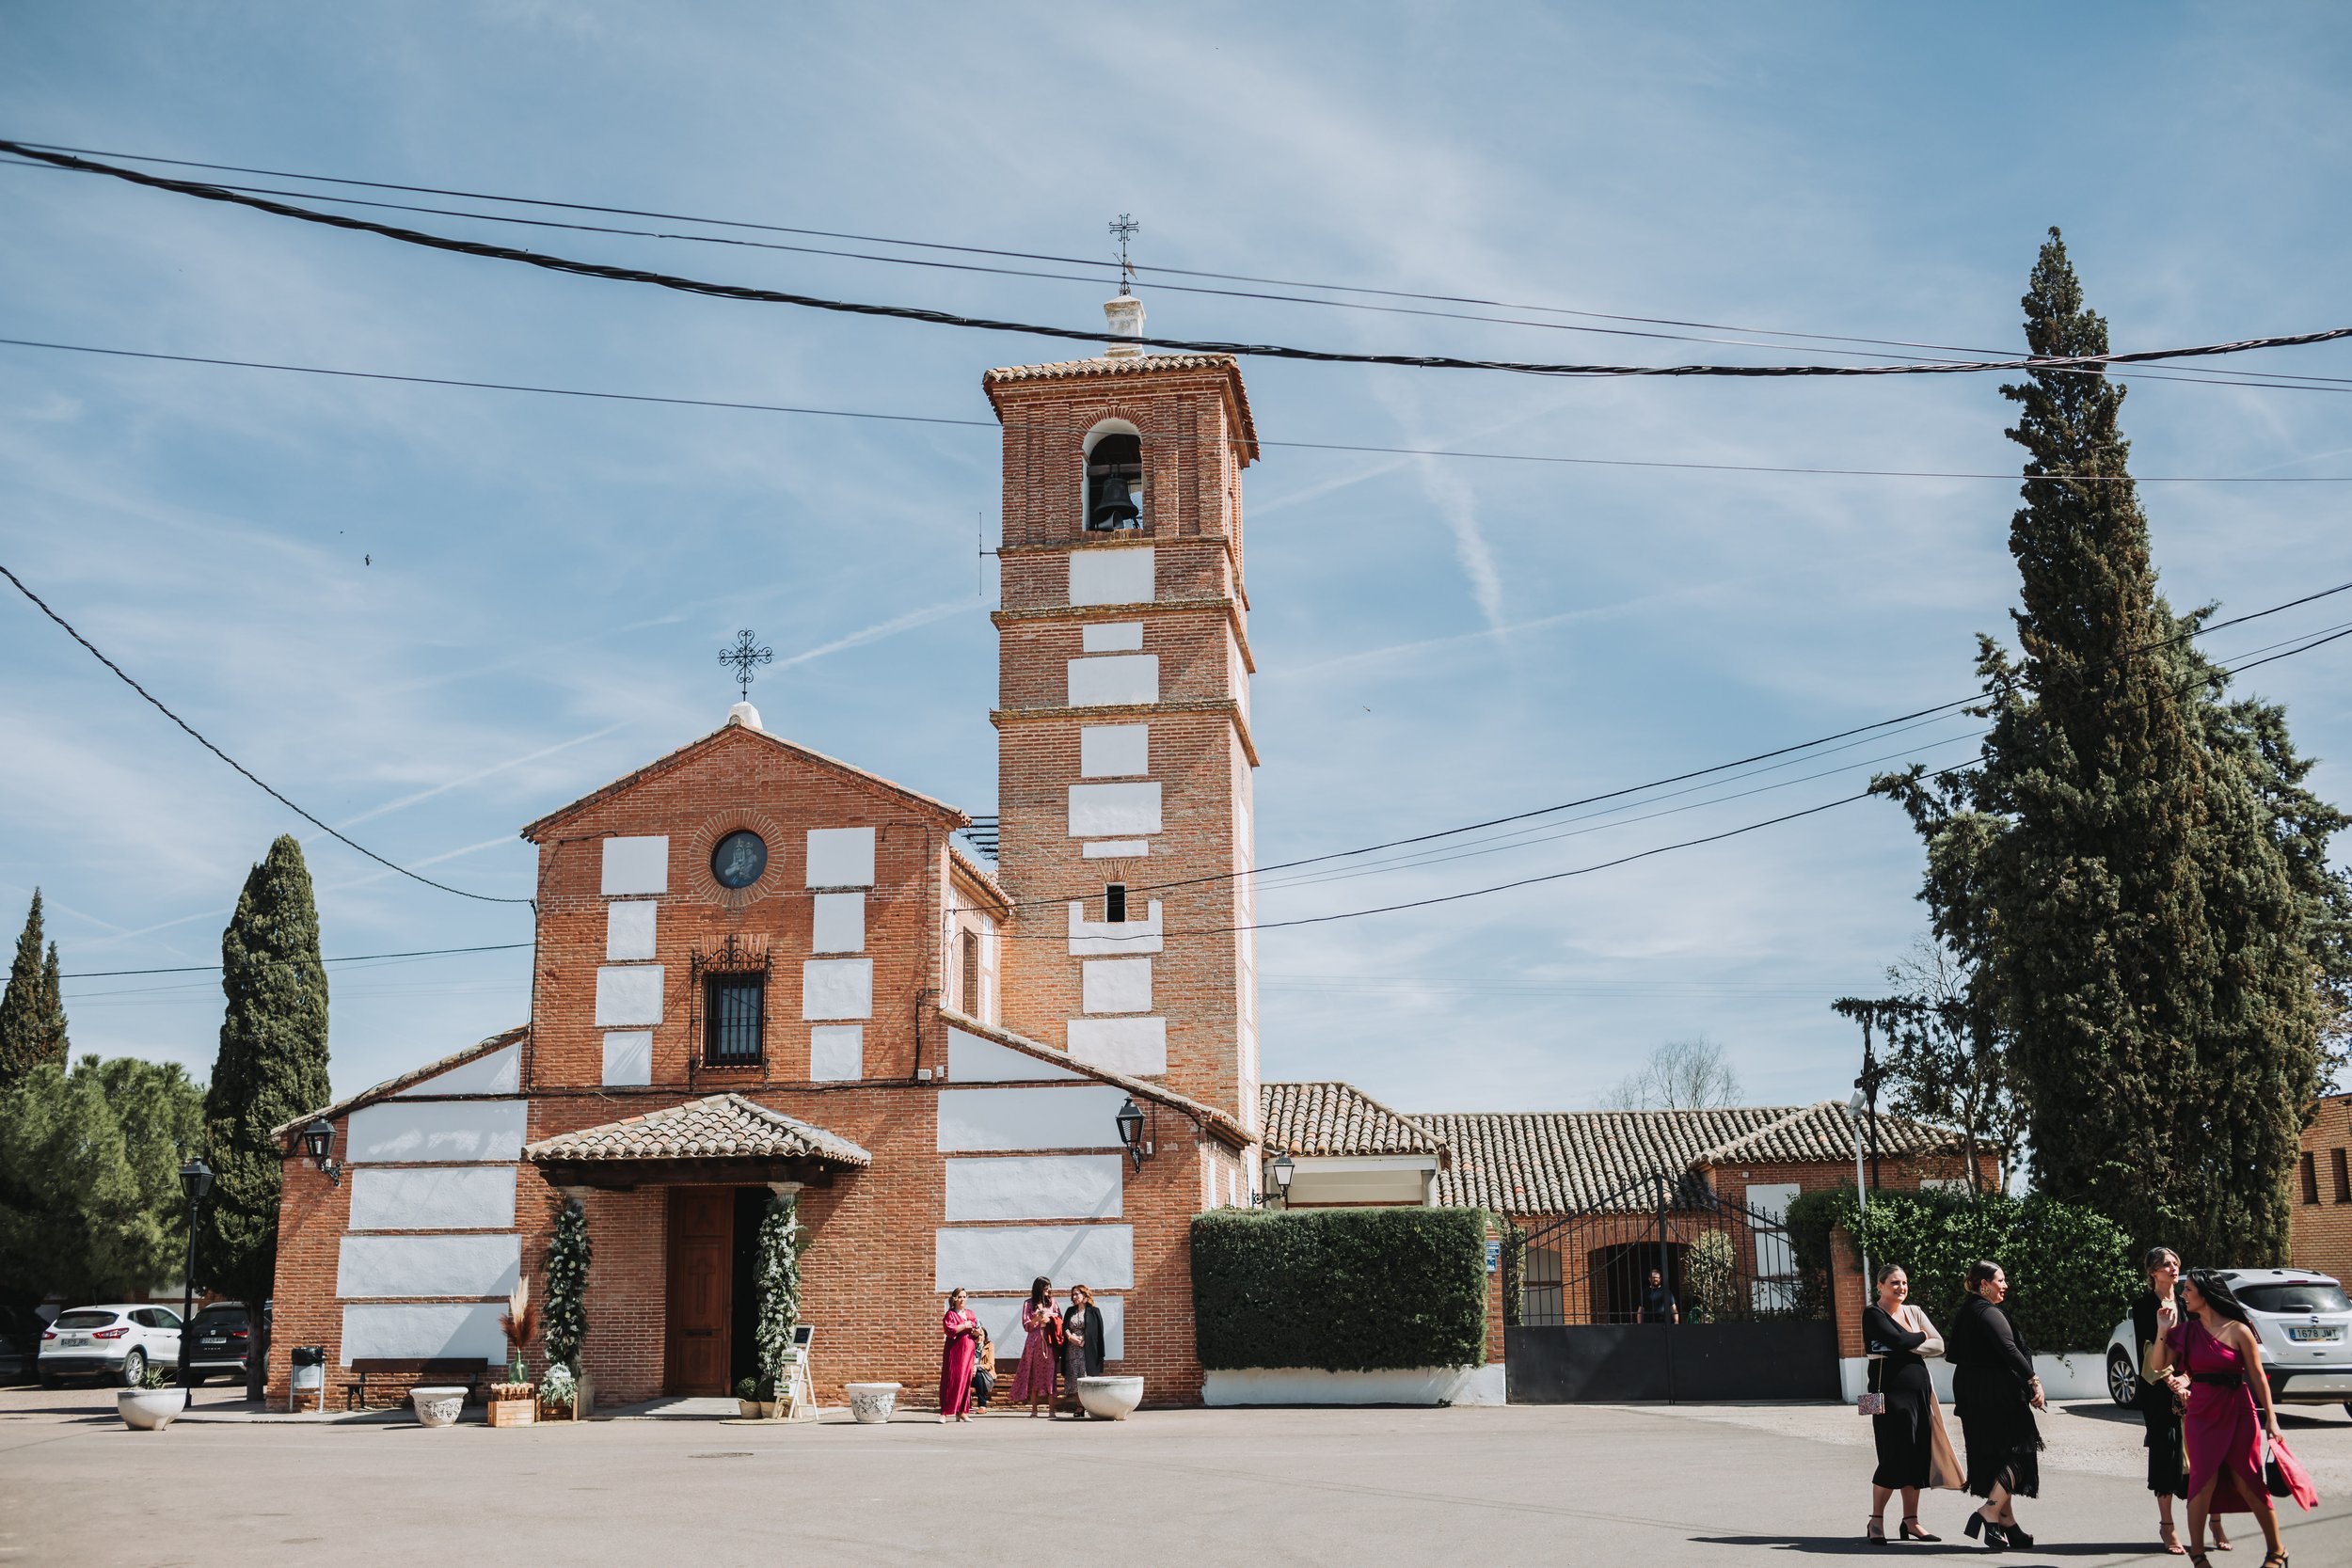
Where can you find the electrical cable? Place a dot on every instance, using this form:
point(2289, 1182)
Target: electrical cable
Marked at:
point(983, 250)
point(707, 287)
point(1177, 437)
point(299, 963)
point(250, 776)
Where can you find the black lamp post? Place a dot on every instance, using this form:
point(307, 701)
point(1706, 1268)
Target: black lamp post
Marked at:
point(318, 1141)
point(1283, 1168)
point(1130, 1121)
point(195, 1180)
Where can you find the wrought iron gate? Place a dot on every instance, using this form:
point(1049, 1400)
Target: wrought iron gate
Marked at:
point(1731, 1317)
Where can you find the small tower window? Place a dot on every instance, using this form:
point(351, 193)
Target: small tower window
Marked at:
point(1115, 903)
point(971, 954)
point(1115, 485)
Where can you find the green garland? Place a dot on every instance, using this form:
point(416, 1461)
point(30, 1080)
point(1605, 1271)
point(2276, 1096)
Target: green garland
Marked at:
point(776, 1270)
point(565, 1327)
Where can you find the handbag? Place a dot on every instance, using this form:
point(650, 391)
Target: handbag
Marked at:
point(2274, 1478)
point(1870, 1404)
point(983, 1386)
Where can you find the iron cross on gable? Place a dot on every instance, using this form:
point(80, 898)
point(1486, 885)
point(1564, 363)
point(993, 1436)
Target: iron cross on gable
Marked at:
point(746, 656)
point(1123, 229)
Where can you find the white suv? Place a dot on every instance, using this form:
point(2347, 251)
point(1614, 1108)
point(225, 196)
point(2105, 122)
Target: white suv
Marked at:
point(120, 1342)
point(2304, 1323)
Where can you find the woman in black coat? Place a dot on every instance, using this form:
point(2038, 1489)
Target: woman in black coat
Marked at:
point(1082, 1343)
point(2162, 1393)
point(1996, 1393)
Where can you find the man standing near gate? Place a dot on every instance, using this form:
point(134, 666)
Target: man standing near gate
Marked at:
point(1658, 1303)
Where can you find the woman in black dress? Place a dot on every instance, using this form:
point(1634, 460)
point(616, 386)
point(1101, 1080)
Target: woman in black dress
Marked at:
point(2162, 1393)
point(1912, 1450)
point(1996, 1393)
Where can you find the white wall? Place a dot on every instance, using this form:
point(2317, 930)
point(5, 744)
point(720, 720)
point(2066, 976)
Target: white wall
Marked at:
point(1001, 1315)
point(1135, 1046)
point(1111, 637)
point(1035, 1187)
point(454, 1132)
point(633, 865)
point(1107, 810)
point(841, 857)
point(462, 1197)
point(838, 988)
point(629, 929)
point(1114, 750)
point(1114, 679)
point(629, 1057)
point(444, 1332)
point(1111, 577)
point(493, 1072)
point(1116, 985)
point(839, 922)
point(1009, 1257)
point(1314, 1386)
point(1079, 1117)
point(837, 1052)
point(428, 1265)
point(628, 994)
point(972, 1059)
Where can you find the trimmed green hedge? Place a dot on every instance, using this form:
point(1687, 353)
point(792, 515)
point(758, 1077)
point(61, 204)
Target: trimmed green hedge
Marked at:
point(2071, 1273)
point(1346, 1290)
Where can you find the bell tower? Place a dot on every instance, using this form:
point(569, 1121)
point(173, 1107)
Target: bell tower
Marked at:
point(1124, 745)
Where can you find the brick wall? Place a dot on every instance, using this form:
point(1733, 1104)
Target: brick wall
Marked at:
point(2319, 1217)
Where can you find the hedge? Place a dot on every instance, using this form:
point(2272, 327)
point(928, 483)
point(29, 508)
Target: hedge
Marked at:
point(2071, 1273)
point(1344, 1290)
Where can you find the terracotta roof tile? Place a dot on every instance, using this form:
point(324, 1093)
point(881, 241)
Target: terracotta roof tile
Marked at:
point(719, 1127)
point(1337, 1118)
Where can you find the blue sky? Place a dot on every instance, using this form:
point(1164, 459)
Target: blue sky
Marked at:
point(432, 614)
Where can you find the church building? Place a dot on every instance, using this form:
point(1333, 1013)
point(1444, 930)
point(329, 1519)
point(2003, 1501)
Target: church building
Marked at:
point(760, 969)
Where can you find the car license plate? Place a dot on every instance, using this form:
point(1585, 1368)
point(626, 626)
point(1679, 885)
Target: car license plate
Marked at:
point(2306, 1333)
point(75, 1341)
point(216, 1339)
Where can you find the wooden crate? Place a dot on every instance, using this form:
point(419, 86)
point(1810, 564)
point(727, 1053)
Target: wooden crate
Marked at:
point(513, 1413)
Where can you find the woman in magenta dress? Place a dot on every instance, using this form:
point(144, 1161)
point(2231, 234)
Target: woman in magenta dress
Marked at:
point(2216, 1348)
point(962, 1331)
point(1033, 1382)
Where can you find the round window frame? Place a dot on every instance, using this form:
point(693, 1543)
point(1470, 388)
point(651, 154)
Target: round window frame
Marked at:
point(705, 841)
point(766, 859)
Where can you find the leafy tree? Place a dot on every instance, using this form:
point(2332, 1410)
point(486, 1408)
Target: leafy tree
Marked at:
point(2133, 875)
point(1947, 1062)
point(1680, 1075)
point(32, 1009)
point(271, 1070)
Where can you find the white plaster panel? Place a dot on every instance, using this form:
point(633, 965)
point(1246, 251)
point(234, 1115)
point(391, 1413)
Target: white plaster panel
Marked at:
point(1114, 678)
point(1001, 1316)
point(1135, 1046)
point(631, 993)
point(1114, 750)
point(494, 1073)
point(1116, 848)
point(1112, 637)
point(1116, 985)
point(1009, 1257)
point(629, 929)
point(1102, 809)
point(443, 1333)
point(838, 988)
point(840, 922)
point(837, 1052)
point(428, 1265)
point(452, 1197)
point(1097, 939)
point(973, 1060)
point(840, 857)
point(629, 1057)
point(1035, 1187)
point(1080, 1116)
point(636, 866)
point(1111, 577)
point(453, 1131)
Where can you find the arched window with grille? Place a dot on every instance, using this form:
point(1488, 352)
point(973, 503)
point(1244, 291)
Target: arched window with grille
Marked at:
point(1114, 487)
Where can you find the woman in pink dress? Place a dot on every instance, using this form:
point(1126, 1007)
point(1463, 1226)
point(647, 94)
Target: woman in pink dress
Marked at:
point(2216, 1347)
point(1033, 1382)
point(962, 1331)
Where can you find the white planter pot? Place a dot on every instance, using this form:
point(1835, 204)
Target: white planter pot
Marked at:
point(872, 1403)
point(150, 1409)
point(1110, 1398)
point(439, 1406)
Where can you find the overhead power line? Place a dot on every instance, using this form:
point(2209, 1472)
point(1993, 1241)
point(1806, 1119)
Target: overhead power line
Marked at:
point(249, 775)
point(575, 267)
point(300, 963)
point(1354, 447)
point(1944, 349)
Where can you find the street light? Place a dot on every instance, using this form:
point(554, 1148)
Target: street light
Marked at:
point(195, 1180)
point(318, 1141)
point(1861, 1193)
point(1130, 1121)
point(1282, 1169)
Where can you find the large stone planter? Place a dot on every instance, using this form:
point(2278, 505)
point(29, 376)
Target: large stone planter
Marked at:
point(437, 1406)
point(1110, 1398)
point(150, 1409)
point(872, 1403)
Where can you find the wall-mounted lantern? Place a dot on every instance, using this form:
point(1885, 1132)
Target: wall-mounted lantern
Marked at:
point(1130, 1121)
point(318, 1141)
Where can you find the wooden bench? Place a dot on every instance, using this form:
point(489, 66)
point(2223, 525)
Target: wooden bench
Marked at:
point(472, 1371)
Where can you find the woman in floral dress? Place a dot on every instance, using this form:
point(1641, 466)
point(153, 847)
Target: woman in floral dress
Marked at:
point(1033, 1382)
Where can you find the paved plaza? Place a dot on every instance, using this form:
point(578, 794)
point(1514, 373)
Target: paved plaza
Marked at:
point(1587, 1484)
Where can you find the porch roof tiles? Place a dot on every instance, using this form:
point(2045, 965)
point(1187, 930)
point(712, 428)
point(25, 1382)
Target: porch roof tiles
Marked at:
point(1335, 1118)
point(718, 1127)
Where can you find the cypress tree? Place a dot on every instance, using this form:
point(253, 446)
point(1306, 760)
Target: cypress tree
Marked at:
point(2134, 872)
point(272, 1068)
point(32, 1016)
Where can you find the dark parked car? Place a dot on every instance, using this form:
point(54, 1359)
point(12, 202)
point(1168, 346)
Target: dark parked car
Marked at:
point(219, 1338)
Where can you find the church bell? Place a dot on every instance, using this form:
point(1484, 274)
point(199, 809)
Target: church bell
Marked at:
point(1114, 504)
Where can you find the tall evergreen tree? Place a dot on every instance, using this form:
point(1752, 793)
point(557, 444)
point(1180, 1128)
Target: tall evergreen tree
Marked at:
point(2134, 874)
point(32, 1013)
point(272, 1068)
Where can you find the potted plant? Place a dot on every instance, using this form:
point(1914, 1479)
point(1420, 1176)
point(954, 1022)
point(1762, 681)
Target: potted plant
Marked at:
point(155, 1403)
point(755, 1399)
point(514, 1402)
point(559, 1394)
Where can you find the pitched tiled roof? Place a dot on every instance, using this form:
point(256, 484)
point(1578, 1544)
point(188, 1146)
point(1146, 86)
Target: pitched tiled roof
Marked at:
point(719, 1127)
point(1139, 364)
point(414, 1075)
point(1542, 1162)
point(1337, 1118)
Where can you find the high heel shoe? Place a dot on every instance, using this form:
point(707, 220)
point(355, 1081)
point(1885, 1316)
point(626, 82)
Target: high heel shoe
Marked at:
point(1909, 1531)
point(2017, 1536)
point(1874, 1532)
point(1996, 1538)
point(2169, 1539)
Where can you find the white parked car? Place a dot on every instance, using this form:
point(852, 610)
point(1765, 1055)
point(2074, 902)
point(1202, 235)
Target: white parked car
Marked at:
point(119, 1342)
point(2304, 1323)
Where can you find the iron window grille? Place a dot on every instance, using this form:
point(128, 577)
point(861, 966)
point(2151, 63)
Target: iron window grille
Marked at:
point(732, 984)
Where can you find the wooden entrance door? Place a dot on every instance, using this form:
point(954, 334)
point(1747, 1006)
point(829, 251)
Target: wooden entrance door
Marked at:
point(702, 1290)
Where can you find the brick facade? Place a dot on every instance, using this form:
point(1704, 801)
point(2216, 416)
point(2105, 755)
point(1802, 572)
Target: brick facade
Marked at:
point(2319, 1220)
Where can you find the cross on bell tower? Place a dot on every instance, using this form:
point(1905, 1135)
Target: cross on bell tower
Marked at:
point(746, 654)
point(1125, 228)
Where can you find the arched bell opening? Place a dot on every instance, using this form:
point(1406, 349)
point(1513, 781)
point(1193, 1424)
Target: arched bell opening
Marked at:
point(1114, 486)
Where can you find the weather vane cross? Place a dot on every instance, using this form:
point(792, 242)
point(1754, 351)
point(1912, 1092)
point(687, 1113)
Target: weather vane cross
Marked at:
point(1123, 229)
point(746, 656)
